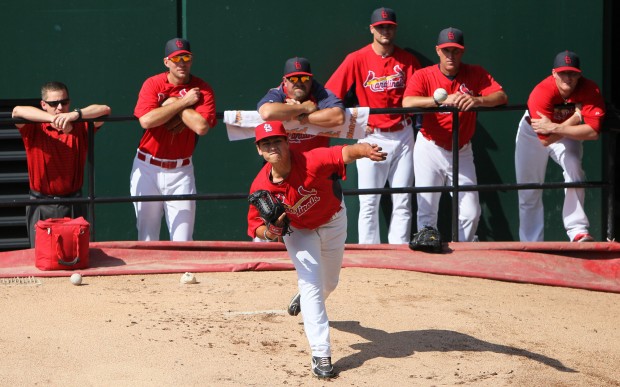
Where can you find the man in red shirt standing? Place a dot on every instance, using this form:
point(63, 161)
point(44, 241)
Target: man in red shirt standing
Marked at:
point(377, 75)
point(174, 108)
point(564, 109)
point(56, 149)
point(468, 86)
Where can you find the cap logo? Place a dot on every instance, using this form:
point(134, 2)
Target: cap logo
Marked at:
point(384, 14)
point(451, 35)
point(179, 43)
point(298, 65)
point(268, 128)
point(567, 59)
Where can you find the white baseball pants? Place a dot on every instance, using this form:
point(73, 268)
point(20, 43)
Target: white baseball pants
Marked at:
point(147, 179)
point(531, 158)
point(433, 167)
point(397, 169)
point(317, 256)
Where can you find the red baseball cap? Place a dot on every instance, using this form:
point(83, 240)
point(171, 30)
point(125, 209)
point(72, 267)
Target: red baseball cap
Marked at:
point(269, 129)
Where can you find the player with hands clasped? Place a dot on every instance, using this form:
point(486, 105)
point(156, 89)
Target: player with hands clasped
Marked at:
point(468, 86)
point(377, 75)
point(564, 109)
point(300, 97)
point(174, 108)
point(306, 183)
point(56, 148)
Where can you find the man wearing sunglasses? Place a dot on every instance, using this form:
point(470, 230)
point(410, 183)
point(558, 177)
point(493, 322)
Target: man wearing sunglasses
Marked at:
point(300, 97)
point(174, 108)
point(377, 74)
point(56, 149)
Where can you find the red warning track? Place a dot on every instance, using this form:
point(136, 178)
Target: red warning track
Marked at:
point(594, 266)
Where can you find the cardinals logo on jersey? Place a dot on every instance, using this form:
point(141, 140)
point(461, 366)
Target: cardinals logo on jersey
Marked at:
point(385, 82)
point(307, 201)
point(463, 89)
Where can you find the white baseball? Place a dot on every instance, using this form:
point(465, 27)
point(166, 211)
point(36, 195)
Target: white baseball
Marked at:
point(440, 95)
point(188, 278)
point(76, 279)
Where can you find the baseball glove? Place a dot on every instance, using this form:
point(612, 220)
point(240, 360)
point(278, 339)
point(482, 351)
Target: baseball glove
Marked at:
point(270, 210)
point(427, 239)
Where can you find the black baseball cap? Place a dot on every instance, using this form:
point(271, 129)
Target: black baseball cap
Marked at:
point(567, 61)
point(451, 37)
point(383, 16)
point(177, 46)
point(297, 66)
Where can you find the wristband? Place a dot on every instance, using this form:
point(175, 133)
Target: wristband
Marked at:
point(266, 237)
point(79, 112)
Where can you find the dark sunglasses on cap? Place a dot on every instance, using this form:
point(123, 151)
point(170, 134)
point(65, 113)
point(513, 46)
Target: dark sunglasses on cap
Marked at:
point(178, 58)
point(295, 79)
point(56, 103)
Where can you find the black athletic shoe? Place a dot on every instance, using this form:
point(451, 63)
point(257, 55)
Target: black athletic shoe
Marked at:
point(294, 307)
point(322, 367)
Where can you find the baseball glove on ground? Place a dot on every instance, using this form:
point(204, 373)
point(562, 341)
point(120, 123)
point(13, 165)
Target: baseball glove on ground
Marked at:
point(427, 239)
point(270, 210)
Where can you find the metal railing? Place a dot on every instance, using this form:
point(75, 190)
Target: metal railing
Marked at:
point(608, 186)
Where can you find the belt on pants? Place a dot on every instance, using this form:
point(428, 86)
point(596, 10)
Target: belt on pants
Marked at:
point(395, 128)
point(166, 164)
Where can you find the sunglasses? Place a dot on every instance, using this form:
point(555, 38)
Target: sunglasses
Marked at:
point(295, 79)
point(178, 58)
point(56, 103)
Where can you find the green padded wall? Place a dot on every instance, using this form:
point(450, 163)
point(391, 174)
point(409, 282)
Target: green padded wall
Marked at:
point(105, 49)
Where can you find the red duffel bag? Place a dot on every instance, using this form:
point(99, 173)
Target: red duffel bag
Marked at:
point(61, 244)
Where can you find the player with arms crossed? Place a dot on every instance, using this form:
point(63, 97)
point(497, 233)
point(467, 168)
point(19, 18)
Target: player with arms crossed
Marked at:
point(300, 97)
point(564, 109)
point(56, 149)
point(377, 74)
point(468, 86)
point(307, 185)
point(174, 108)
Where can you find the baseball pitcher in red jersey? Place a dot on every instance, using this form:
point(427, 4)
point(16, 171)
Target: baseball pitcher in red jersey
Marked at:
point(563, 110)
point(468, 86)
point(174, 108)
point(307, 183)
point(377, 74)
point(56, 149)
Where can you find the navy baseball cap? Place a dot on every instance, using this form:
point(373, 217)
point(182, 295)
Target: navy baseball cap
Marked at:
point(451, 37)
point(176, 47)
point(383, 16)
point(567, 61)
point(297, 66)
point(269, 129)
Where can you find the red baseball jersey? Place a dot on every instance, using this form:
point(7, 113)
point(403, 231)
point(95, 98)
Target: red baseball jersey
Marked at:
point(311, 193)
point(379, 82)
point(546, 99)
point(471, 79)
point(159, 141)
point(55, 160)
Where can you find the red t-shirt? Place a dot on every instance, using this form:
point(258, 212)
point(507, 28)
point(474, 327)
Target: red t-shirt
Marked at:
point(158, 141)
point(546, 99)
point(379, 82)
point(55, 160)
point(471, 79)
point(311, 192)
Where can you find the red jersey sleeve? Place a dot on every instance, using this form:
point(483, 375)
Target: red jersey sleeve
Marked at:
point(343, 78)
point(147, 98)
point(206, 106)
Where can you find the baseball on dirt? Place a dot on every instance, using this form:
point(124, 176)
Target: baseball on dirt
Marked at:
point(440, 95)
point(76, 279)
point(188, 278)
